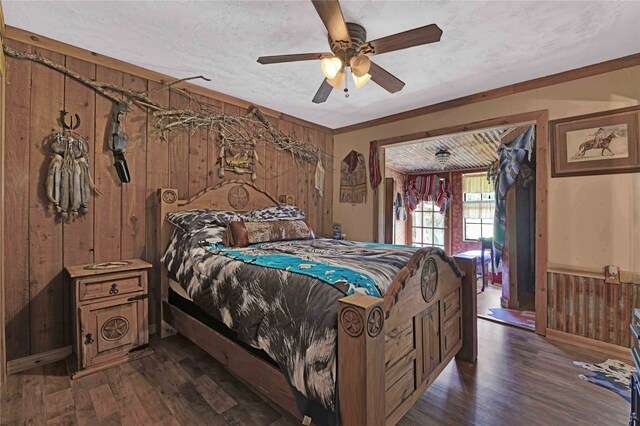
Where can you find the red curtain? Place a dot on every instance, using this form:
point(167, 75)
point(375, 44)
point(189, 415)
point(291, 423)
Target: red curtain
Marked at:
point(428, 188)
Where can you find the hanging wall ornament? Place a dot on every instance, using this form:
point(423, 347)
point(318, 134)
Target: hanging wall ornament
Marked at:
point(353, 179)
point(69, 183)
point(375, 177)
point(319, 178)
point(238, 156)
point(118, 141)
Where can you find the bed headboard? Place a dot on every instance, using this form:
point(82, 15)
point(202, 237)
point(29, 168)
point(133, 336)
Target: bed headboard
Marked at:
point(229, 195)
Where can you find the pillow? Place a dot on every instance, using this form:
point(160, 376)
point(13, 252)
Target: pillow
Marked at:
point(275, 213)
point(212, 234)
point(191, 220)
point(241, 234)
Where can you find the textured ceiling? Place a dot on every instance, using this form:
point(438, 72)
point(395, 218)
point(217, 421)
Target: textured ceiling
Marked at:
point(486, 44)
point(468, 151)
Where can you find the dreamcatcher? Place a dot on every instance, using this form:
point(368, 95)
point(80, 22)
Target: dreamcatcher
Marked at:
point(69, 184)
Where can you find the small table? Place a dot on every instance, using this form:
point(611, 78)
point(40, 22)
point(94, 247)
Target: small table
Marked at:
point(110, 314)
point(479, 257)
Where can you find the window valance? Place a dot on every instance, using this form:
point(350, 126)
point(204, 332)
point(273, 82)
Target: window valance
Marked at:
point(476, 183)
point(428, 188)
point(475, 205)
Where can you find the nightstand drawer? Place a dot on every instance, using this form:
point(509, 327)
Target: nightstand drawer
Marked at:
point(111, 286)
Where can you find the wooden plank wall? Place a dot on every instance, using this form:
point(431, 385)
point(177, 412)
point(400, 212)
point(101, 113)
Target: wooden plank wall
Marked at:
point(3, 351)
point(589, 307)
point(121, 221)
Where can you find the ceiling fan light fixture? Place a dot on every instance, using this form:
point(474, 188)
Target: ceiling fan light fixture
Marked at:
point(360, 65)
point(331, 67)
point(360, 81)
point(337, 81)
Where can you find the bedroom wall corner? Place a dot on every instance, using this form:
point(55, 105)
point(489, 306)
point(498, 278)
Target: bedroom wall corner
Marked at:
point(122, 220)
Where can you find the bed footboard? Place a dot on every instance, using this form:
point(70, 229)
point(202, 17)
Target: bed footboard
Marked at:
point(390, 351)
point(361, 360)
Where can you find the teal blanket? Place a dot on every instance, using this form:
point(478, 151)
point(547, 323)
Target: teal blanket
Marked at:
point(327, 273)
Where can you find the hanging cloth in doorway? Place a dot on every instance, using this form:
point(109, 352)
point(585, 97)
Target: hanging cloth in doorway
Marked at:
point(512, 157)
point(374, 165)
point(353, 179)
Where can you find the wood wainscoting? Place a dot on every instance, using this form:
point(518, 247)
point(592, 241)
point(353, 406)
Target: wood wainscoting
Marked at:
point(121, 221)
point(581, 303)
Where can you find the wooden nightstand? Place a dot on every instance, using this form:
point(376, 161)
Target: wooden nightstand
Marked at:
point(109, 314)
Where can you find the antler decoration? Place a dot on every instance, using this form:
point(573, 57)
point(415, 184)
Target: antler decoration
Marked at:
point(197, 114)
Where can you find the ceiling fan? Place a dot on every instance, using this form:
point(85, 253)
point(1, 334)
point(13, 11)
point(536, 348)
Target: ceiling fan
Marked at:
point(350, 50)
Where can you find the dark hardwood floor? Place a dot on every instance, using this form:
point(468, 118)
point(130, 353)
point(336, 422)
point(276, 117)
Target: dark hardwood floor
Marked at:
point(520, 379)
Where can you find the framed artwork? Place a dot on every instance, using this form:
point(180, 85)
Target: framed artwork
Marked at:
point(601, 143)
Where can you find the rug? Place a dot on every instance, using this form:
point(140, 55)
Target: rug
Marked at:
point(525, 319)
point(612, 374)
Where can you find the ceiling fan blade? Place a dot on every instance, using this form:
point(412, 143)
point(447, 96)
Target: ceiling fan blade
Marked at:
point(416, 37)
point(323, 92)
point(332, 18)
point(292, 58)
point(384, 78)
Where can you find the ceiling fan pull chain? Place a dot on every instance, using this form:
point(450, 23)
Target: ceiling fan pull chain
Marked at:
point(346, 85)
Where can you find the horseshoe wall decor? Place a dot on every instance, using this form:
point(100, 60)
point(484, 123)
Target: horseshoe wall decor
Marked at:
point(71, 125)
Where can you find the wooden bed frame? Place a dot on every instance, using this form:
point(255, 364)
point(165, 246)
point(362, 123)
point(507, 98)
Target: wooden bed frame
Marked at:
point(389, 350)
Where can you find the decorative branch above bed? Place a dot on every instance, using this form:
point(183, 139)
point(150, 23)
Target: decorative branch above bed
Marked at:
point(197, 114)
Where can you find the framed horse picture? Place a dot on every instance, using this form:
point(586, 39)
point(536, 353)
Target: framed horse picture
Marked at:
point(601, 143)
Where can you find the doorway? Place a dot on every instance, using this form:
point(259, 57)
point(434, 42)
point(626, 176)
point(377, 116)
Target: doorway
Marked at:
point(536, 251)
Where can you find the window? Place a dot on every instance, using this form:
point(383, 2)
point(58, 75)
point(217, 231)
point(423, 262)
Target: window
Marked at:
point(476, 228)
point(427, 226)
point(478, 206)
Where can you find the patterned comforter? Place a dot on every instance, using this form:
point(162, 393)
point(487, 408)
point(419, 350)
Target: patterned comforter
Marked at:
point(291, 316)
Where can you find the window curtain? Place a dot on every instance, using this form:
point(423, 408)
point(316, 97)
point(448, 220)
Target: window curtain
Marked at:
point(512, 158)
point(477, 209)
point(428, 188)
